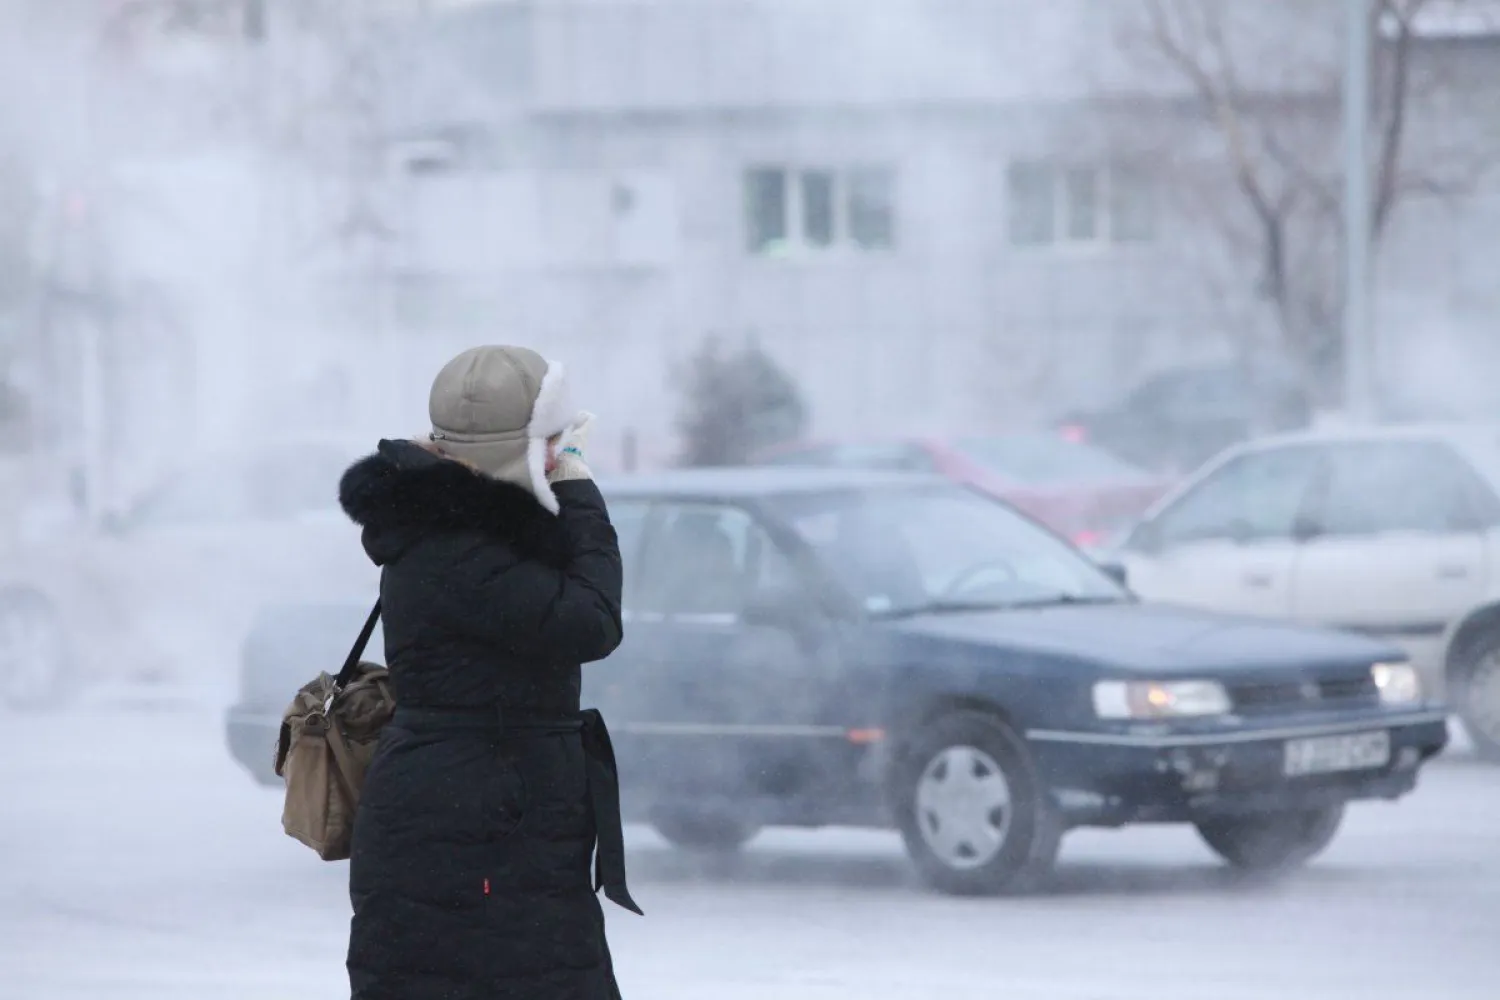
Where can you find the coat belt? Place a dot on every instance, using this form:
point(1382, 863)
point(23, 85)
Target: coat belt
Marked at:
point(599, 756)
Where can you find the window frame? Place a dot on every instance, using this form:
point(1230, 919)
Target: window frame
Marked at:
point(841, 178)
point(1470, 514)
point(631, 563)
point(1148, 536)
point(1107, 182)
point(761, 536)
point(842, 600)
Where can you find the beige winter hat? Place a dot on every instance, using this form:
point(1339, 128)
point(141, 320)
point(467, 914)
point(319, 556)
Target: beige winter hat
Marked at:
point(495, 407)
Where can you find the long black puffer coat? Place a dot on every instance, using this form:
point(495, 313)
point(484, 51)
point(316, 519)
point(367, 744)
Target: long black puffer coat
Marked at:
point(470, 872)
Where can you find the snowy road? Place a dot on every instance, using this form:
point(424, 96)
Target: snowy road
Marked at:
point(140, 863)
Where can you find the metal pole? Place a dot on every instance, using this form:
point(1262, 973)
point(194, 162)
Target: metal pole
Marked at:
point(1359, 374)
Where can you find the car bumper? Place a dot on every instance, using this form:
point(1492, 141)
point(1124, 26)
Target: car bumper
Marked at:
point(1116, 778)
point(251, 735)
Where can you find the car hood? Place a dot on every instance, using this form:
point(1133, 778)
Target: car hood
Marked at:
point(1153, 639)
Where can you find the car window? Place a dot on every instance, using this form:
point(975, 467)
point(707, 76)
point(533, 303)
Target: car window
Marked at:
point(1482, 457)
point(1257, 496)
point(1399, 486)
point(772, 570)
point(629, 519)
point(900, 550)
point(707, 559)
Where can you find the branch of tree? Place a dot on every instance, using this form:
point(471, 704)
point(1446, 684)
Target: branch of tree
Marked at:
point(1394, 101)
point(1222, 103)
point(1323, 192)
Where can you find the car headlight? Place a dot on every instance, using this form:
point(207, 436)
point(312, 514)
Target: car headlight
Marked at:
point(1159, 699)
point(1398, 683)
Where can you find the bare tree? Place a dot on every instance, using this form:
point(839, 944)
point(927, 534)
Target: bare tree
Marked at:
point(736, 403)
point(1264, 81)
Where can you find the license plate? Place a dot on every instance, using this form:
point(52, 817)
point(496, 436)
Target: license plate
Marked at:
point(1332, 754)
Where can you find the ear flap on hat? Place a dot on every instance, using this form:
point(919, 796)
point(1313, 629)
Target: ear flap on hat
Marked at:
point(551, 414)
point(536, 467)
point(553, 411)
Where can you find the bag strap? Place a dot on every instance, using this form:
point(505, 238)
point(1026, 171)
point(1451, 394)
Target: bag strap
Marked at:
point(351, 664)
point(343, 764)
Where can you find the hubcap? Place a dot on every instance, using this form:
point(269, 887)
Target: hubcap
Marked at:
point(1483, 696)
point(30, 651)
point(963, 807)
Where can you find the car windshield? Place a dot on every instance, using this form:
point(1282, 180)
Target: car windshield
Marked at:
point(942, 548)
point(1042, 459)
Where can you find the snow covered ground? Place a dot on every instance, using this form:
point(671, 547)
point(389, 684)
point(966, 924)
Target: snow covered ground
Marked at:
point(140, 863)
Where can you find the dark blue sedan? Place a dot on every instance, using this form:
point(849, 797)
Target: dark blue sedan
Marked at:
point(809, 648)
point(812, 648)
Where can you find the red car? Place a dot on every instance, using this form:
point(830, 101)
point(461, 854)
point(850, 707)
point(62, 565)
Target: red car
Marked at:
point(1075, 489)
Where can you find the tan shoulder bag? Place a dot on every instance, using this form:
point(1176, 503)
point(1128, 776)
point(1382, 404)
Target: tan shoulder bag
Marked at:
point(328, 737)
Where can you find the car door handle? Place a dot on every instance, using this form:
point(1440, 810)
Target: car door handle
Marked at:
point(1452, 572)
point(1260, 581)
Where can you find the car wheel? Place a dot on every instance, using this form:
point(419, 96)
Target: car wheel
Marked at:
point(1273, 842)
point(1476, 687)
point(33, 650)
point(971, 809)
point(704, 833)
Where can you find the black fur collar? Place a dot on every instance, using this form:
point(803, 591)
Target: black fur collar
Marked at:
point(405, 490)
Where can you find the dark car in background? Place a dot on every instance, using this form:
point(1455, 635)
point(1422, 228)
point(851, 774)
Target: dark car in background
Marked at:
point(1076, 489)
point(811, 647)
point(1176, 420)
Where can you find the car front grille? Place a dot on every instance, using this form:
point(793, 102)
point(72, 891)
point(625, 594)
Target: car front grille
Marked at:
point(1320, 694)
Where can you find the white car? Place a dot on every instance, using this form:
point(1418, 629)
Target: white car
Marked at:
point(165, 591)
point(1391, 531)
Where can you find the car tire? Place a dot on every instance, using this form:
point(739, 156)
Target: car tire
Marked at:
point(971, 808)
point(1475, 687)
point(1273, 842)
point(704, 833)
point(34, 656)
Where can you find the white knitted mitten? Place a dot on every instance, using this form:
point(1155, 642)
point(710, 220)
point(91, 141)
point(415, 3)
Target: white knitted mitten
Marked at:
point(570, 462)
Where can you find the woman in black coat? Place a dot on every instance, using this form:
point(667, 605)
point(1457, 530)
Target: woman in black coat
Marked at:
point(473, 872)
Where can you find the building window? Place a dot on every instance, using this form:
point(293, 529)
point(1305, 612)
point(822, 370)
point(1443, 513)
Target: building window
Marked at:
point(1068, 205)
point(819, 209)
point(766, 209)
point(871, 197)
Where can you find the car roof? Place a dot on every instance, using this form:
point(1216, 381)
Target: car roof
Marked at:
point(1452, 431)
point(758, 482)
